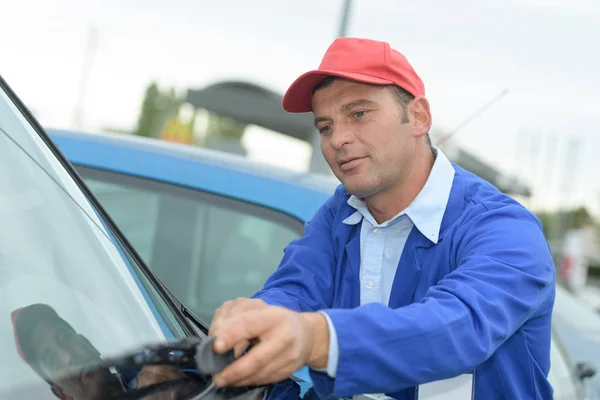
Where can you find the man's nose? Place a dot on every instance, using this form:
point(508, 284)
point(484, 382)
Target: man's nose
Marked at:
point(342, 134)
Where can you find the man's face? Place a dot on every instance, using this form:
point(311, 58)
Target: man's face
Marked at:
point(58, 348)
point(364, 136)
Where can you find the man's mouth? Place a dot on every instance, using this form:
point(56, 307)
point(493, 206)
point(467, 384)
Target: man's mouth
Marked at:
point(349, 163)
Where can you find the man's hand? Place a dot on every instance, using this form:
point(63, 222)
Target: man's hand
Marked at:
point(233, 308)
point(285, 342)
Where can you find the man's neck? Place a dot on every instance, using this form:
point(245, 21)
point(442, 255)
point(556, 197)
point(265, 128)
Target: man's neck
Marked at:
point(384, 206)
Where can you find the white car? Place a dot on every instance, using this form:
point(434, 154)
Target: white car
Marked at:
point(80, 313)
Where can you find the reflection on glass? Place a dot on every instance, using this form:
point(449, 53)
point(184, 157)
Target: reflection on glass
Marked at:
point(74, 368)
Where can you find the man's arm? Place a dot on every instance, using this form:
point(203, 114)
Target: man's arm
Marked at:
point(303, 281)
point(505, 274)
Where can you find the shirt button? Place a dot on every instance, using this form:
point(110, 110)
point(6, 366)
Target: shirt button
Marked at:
point(376, 231)
point(370, 285)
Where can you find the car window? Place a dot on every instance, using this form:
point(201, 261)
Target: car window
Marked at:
point(206, 248)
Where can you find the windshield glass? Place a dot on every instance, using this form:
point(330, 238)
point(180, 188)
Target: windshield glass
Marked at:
point(63, 277)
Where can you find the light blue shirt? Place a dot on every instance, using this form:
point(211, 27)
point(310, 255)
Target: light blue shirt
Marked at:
point(381, 245)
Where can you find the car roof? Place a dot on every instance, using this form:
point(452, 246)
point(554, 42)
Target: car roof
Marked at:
point(295, 193)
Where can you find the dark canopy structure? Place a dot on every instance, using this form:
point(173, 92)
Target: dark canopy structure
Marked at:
point(252, 104)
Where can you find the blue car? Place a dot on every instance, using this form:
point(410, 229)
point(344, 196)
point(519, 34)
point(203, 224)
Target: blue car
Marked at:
point(213, 226)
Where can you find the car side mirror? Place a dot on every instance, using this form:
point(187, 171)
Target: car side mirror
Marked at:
point(585, 370)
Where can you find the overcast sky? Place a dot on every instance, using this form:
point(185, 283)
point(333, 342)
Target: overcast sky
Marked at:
point(466, 51)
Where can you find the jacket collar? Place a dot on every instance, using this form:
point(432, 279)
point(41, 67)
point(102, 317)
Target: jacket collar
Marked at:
point(427, 210)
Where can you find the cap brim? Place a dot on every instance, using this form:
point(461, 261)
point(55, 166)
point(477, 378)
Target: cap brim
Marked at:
point(298, 98)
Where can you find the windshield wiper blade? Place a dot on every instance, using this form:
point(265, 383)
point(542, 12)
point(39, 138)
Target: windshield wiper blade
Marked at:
point(186, 353)
point(190, 353)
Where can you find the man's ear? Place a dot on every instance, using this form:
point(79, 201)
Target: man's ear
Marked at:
point(421, 114)
point(59, 393)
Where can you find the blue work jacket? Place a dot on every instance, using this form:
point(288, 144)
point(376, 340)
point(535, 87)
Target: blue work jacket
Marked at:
point(477, 302)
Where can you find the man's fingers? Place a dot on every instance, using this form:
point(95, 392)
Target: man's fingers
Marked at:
point(221, 314)
point(245, 327)
point(241, 347)
point(252, 363)
point(285, 360)
point(232, 308)
point(275, 371)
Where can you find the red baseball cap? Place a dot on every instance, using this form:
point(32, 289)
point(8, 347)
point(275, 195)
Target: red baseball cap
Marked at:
point(362, 60)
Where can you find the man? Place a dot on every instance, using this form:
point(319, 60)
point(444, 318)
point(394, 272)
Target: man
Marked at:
point(414, 271)
point(73, 366)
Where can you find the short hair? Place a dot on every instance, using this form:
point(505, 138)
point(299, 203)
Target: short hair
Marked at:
point(403, 97)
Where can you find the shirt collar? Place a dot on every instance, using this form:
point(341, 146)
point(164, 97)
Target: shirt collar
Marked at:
point(427, 209)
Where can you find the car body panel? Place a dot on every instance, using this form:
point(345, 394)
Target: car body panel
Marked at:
point(201, 169)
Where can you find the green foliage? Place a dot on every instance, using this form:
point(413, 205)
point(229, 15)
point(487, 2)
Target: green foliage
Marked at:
point(558, 222)
point(156, 107)
point(149, 111)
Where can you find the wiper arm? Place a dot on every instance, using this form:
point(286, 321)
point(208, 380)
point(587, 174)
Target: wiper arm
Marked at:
point(188, 353)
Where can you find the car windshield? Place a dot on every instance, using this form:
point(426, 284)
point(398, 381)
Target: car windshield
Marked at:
point(59, 263)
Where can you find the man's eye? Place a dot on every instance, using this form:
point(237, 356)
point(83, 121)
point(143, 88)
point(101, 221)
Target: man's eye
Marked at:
point(325, 129)
point(359, 114)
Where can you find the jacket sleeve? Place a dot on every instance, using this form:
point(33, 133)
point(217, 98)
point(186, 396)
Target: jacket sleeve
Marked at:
point(504, 274)
point(303, 280)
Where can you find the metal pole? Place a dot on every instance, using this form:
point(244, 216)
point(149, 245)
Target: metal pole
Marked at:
point(569, 177)
point(317, 162)
point(347, 5)
point(88, 61)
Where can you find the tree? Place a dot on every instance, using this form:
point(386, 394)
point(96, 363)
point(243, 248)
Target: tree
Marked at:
point(581, 217)
point(157, 108)
point(149, 111)
point(556, 223)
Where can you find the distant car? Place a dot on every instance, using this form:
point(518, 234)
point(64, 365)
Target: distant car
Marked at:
point(213, 226)
point(578, 325)
point(80, 313)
